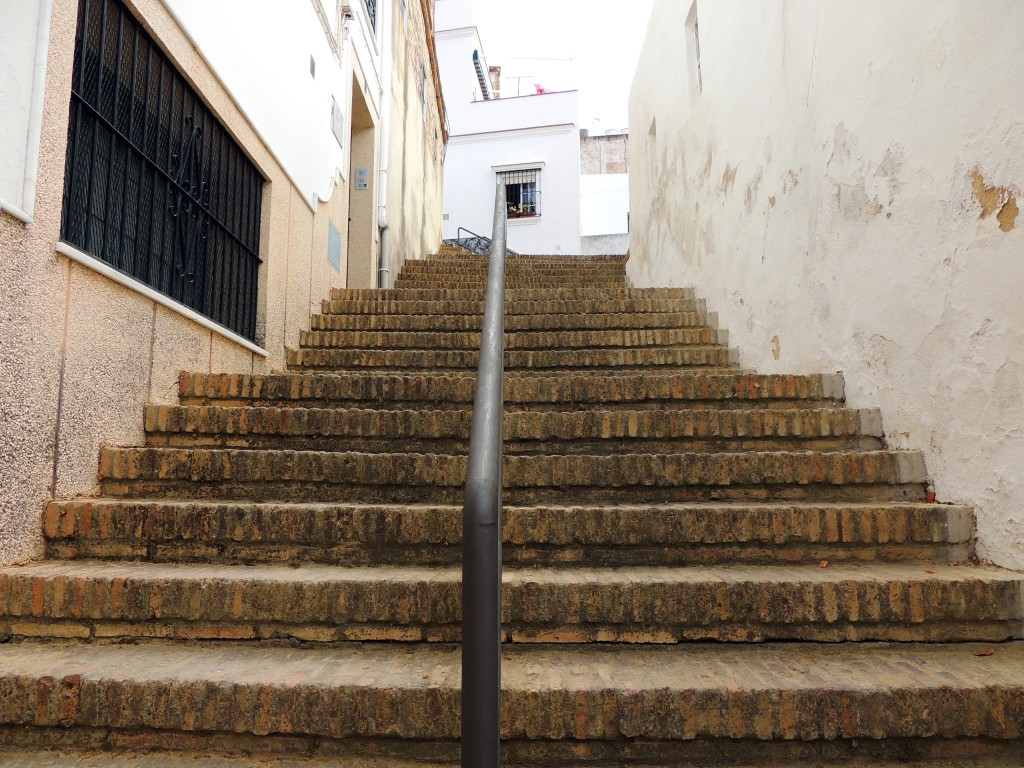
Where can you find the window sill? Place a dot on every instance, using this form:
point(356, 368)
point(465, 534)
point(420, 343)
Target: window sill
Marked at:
point(16, 213)
point(91, 262)
point(525, 220)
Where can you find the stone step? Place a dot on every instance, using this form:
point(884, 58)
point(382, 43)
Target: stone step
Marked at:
point(553, 283)
point(581, 358)
point(266, 475)
point(46, 758)
point(512, 261)
point(666, 534)
point(475, 306)
point(641, 604)
point(603, 293)
point(532, 340)
point(53, 758)
point(653, 389)
point(513, 265)
point(644, 705)
point(591, 431)
point(516, 323)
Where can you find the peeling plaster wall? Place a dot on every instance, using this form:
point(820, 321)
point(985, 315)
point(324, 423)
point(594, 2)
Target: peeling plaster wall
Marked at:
point(845, 193)
point(416, 154)
point(80, 355)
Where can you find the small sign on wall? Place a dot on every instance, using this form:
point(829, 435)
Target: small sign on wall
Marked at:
point(362, 178)
point(333, 246)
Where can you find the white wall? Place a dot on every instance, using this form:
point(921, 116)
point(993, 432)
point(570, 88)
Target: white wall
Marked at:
point(24, 28)
point(844, 194)
point(459, 82)
point(271, 81)
point(604, 204)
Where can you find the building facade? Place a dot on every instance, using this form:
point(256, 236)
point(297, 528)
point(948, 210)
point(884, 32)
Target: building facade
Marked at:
point(185, 181)
point(842, 182)
point(533, 142)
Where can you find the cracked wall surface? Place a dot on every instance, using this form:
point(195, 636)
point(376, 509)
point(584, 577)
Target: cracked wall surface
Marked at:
point(845, 191)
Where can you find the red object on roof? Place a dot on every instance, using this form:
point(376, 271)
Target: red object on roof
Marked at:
point(540, 89)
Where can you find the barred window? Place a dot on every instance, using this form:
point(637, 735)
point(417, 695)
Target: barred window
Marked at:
point(522, 193)
point(154, 184)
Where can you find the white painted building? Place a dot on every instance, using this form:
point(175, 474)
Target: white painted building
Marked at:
point(533, 140)
point(842, 182)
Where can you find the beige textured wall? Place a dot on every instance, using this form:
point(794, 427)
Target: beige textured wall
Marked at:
point(79, 354)
point(415, 171)
point(845, 192)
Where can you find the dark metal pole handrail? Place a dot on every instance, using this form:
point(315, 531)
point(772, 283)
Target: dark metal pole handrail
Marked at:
point(481, 524)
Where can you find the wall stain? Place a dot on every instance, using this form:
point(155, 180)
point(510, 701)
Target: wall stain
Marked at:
point(776, 347)
point(728, 178)
point(1001, 201)
point(791, 182)
point(855, 204)
point(772, 201)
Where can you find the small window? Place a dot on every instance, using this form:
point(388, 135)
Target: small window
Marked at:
point(522, 193)
point(312, 67)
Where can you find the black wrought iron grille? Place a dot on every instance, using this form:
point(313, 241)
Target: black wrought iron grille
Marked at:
point(154, 184)
point(371, 11)
point(522, 193)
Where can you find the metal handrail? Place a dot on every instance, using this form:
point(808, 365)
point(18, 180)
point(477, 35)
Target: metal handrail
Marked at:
point(458, 234)
point(481, 525)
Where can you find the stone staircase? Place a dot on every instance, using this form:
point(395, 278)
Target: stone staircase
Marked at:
point(704, 565)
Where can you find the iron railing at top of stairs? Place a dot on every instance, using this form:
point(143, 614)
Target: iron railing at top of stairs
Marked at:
point(481, 521)
point(475, 243)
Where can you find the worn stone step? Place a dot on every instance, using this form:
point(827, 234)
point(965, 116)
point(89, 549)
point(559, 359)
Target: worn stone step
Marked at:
point(515, 323)
point(640, 604)
point(47, 758)
point(475, 306)
point(591, 431)
point(580, 358)
point(513, 265)
point(513, 260)
point(55, 758)
point(655, 706)
point(652, 389)
point(267, 475)
point(603, 293)
point(511, 284)
point(527, 340)
point(665, 534)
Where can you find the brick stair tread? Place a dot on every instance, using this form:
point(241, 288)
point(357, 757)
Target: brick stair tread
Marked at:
point(579, 358)
point(799, 467)
point(792, 691)
point(603, 293)
point(468, 340)
point(515, 323)
point(541, 605)
point(65, 759)
point(519, 387)
point(208, 531)
point(678, 423)
point(44, 758)
point(474, 307)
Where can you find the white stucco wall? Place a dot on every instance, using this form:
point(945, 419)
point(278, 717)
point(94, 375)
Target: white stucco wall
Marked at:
point(271, 81)
point(24, 29)
point(844, 193)
point(604, 204)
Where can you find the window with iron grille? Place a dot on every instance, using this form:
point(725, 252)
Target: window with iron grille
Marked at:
point(371, 11)
point(154, 185)
point(522, 193)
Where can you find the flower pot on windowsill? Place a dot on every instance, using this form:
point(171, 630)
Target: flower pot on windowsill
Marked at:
point(521, 214)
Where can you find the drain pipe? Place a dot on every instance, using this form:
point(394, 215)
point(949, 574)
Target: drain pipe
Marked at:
point(386, 22)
